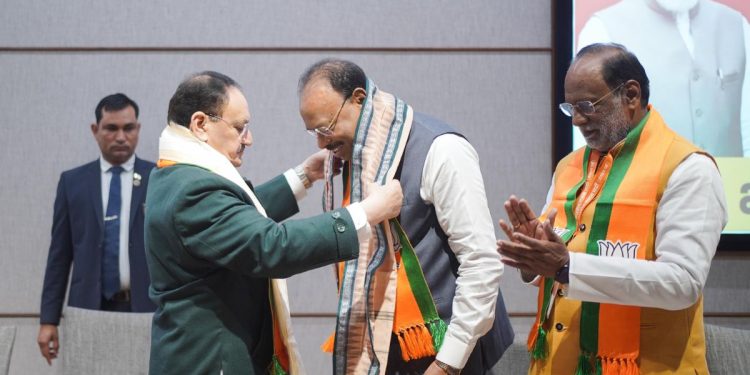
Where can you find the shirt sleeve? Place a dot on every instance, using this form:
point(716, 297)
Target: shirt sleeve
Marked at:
point(452, 183)
point(59, 258)
point(298, 188)
point(217, 225)
point(689, 220)
point(359, 218)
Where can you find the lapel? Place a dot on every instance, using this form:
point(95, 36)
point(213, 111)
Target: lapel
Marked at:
point(250, 184)
point(138, 194)
point(95, 191)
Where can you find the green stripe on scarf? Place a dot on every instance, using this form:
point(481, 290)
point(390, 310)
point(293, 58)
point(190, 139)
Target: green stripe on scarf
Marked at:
point(421, 291)
point(539, 351)
point(589, 337)
point(275, 368)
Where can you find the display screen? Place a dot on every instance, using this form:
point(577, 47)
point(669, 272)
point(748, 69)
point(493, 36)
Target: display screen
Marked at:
point(696, 54)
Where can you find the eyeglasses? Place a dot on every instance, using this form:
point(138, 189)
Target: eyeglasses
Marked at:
point(585, 108)
point(328, 130)
point(243, 132)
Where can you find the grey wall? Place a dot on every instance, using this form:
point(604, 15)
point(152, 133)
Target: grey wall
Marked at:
point(484, 66)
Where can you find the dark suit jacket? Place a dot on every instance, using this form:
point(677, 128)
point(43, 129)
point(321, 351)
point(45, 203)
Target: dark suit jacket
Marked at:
point(210, 253)
point(78, 238)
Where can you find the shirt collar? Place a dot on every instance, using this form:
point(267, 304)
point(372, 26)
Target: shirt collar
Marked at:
point(127, 166)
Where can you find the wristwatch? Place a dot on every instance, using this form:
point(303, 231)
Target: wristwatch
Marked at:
point(562, 275)
point(300, 171)
point(450, 370)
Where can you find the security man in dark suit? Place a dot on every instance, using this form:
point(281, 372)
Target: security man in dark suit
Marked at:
point(97, 227)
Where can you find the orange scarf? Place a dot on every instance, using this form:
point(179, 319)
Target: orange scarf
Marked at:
point(625, 185)
point(416, 324)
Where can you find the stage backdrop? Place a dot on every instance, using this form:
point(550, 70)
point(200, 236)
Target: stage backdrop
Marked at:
point(483, 66)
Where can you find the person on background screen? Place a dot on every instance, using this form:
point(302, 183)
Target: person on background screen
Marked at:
point(697, 54)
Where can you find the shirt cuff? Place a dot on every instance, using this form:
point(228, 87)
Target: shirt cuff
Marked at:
point(454, 352)
point(359, 218)
point(295, 184)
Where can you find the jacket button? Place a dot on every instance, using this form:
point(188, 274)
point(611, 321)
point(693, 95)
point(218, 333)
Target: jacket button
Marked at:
point(336, 214)
point(341, 228)
point(559, 326)
point(582, 227)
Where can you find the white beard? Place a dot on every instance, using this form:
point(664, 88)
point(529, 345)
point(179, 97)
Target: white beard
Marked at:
point(677, 6)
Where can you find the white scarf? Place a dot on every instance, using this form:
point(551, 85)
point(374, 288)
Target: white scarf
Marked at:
point(178, 144)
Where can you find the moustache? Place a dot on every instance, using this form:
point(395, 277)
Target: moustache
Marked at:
point(332, 146)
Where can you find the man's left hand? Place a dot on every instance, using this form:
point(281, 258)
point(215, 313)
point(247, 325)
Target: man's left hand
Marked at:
point(538, 256)
point(314, 165)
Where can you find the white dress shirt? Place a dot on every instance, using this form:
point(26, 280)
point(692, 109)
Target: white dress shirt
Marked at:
point(452, 183)
point(594, 31)
point(689, 220)
point(126, 186)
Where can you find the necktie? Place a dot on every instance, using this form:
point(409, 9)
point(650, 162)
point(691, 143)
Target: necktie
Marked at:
point(110, 258)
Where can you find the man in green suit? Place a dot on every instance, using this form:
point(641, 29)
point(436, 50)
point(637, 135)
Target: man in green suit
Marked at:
point(214, 244)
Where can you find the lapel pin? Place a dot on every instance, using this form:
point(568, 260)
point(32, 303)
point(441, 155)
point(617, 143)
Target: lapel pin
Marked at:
point(136, 179)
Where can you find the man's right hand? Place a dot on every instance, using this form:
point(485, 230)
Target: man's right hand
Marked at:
point(523, 220)
point(382, 202)
point(49, 342)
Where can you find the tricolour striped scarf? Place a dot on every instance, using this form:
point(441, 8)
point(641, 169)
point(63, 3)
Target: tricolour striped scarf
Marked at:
point(376, 297)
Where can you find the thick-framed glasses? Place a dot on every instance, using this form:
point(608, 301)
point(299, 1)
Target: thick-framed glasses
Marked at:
point(328, 130)
point(242, 132)
point(585, 108)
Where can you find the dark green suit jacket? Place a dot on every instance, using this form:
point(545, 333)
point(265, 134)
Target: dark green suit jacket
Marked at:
point(210, 254)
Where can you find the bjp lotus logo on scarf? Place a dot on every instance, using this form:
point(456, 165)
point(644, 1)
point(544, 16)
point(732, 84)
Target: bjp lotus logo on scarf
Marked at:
point(618, 249)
